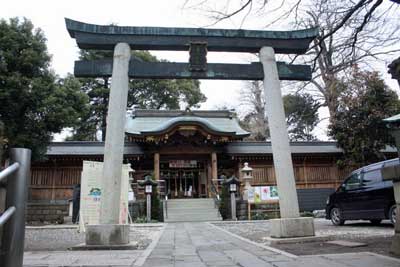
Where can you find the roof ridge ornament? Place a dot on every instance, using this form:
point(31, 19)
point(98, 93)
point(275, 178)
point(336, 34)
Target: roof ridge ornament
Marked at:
point(188, 112)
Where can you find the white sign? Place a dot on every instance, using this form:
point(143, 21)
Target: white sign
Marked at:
point(250, 195)
point(232, 188)
point(91, 193)
point(183, 163)
point(148, 189)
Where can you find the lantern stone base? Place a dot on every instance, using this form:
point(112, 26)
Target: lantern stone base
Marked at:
point(292, 227)
point(107, 234)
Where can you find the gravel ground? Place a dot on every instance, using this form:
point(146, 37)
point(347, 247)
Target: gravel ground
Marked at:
point(377, 238)
point(58, 238)
point(256, 231)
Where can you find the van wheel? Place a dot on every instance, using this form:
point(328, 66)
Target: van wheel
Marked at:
point(336, 216)
point(392, 214)
point(375, 221)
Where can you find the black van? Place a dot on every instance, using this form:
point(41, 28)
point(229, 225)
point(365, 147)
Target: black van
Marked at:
point(363, 196)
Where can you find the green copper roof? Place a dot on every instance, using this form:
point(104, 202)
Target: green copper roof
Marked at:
point(105, 37)
point(151, 122)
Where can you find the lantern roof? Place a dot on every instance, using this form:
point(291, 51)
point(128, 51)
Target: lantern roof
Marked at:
point(246, 167)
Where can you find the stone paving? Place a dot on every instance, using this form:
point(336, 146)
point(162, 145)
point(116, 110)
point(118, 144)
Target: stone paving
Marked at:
point(120, 258)
point(202, 245)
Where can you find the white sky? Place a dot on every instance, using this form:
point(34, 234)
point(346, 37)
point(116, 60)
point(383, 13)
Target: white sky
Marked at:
point(49, 16)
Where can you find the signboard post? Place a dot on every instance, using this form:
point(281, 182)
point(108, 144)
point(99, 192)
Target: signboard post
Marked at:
point(261, 194)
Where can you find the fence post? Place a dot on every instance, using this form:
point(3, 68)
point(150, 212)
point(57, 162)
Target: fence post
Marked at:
point(14, 230)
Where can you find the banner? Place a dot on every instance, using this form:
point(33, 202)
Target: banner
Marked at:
point(91, 193)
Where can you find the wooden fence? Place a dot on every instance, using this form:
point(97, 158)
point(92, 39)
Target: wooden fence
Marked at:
point(310, 176)
point(53, 183)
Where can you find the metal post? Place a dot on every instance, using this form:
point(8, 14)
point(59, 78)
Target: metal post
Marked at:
point(148, 207)
point(14, 229)
point(233, 206)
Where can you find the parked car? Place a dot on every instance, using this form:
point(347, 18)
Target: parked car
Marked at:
point(363, 196)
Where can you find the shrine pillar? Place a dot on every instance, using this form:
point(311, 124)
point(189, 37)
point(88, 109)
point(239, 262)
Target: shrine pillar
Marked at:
point(290, 224)
point(214, 169)
point(156, 166)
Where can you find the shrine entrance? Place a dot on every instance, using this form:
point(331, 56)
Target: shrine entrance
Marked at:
point(184, 178)
point(197, 42)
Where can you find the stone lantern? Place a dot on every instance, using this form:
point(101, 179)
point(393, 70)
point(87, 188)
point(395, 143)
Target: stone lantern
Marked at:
point(247, 175)
point(233, 184)
point(148, 183)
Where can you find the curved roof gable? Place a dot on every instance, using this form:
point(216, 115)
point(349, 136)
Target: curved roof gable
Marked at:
point(145, 123)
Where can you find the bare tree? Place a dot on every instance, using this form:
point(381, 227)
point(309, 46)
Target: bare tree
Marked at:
point(343, 45)
point(351, 33)
point(255, 119)
point(301, 111)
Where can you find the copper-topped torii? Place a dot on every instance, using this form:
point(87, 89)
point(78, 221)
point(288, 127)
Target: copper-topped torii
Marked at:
point(89, 36)
point(105, 37)
point(197, 42)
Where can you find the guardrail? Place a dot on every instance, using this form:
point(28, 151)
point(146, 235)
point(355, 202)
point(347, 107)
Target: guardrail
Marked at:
point(13, 218)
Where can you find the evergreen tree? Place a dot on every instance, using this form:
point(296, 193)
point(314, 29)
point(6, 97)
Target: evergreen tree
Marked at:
point(34, 102)
point(301, 112)
point(358, 126)
point(143, 93)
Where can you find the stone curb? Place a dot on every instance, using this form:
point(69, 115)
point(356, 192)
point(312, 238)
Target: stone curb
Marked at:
point(276, 241)
point(146, 253)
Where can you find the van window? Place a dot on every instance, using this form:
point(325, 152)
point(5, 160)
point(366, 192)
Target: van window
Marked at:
point(353, 182)
point(372, 177)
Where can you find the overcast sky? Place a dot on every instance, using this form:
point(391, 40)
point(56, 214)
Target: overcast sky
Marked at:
point(49, 16)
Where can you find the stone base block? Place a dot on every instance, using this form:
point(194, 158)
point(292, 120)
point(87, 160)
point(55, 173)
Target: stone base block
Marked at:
point(107, 234)
point(292, 227)
point(395, 248)
point(83, 246)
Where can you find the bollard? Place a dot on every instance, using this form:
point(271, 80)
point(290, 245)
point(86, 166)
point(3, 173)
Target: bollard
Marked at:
point(233, 206)
point(148, 190)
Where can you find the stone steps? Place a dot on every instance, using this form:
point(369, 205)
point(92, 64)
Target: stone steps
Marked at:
point(192, 210)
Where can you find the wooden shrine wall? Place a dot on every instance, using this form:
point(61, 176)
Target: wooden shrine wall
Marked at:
point(55, 181)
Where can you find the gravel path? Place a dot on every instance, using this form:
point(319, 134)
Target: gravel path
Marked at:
point(258, 231)
point(377, 238)
point(56, 238)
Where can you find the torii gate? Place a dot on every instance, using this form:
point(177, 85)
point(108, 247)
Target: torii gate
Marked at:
point(197, 41)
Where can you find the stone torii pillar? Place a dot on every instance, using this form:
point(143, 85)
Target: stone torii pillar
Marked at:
point(290, 224)
point(109, 232)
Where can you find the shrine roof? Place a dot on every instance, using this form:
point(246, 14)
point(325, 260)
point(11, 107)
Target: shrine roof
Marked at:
point(87, 148)
point(298, 147)
point(155, 122)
